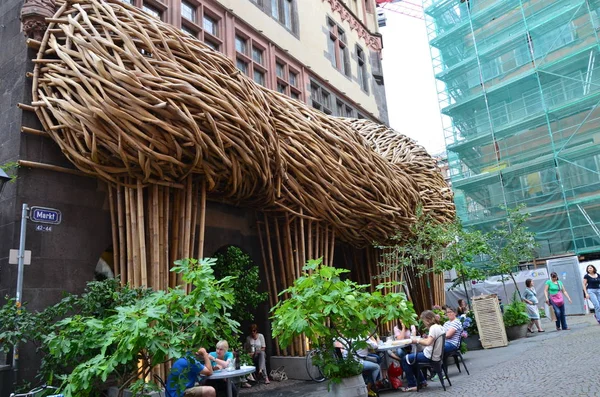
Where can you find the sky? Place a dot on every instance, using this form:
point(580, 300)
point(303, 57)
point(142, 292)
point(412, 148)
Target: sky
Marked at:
point(409, 83)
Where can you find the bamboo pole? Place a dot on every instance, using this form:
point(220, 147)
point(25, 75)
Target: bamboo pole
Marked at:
point(142, 235)
point(272, 272)
point(194, 219)
point(129, 248)
point(332, 247)
point(114, 230)
point(155, 237)
point(166, 265)
point(310, 239)
point(50, 167)
point(122, 235)
point(175, 233)
point(202, 220)
point(137, 276)
point(302, 242)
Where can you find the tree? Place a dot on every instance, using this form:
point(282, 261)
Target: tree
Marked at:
point(511, 243)
point(326, 308)
point(245, 282)
point(460, 254)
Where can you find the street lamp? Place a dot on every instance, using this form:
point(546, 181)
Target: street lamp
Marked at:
point(4, 179)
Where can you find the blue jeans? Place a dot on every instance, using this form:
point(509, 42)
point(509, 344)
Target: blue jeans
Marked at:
point(595, 298)
point(449, 348)
point(408, 368)
point(371, 371)
point(561, 319)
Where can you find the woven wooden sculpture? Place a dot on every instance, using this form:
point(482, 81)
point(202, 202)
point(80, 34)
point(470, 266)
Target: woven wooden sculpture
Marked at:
point(125, 95)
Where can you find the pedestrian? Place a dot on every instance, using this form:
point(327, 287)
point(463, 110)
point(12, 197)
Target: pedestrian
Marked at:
point(591, 288)
point(531, 301)
point(554, 290)
point(462, 307)
point(184, 373)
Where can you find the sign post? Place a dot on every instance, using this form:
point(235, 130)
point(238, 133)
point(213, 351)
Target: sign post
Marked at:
point(20, 263)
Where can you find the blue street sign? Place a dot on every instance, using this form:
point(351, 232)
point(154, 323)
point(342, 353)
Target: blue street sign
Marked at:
point(45, 215)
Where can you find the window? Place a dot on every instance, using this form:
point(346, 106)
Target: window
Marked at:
point(343, 110)
point(242, 65)
point(283, 11)
point(320, 98)
point(188, 11)
point(553, 40)
point(293, 79)
point(155, 12)
point(201, 23)
point(337, 48)
point(250, 58)
point(287, 79)
point(240, 44)
point(257, 55)
point(210, 25)
point(259, 77)
point(363, 78)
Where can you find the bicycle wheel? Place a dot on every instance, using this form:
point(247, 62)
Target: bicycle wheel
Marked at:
point(313, 371)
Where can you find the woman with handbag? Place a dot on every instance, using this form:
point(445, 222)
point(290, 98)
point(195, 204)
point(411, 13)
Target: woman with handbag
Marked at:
point(591, 289)
point(554, 290)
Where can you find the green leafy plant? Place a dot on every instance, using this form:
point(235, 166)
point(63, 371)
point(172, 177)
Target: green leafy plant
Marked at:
point(326, 309)
point(9, 168)
point(511, 243)
point(238, 265)
point(134, 337)
point(515, 313)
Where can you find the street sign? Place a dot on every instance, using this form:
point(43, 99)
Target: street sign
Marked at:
point(43, 228)
point(45, 215)
point(13, 257)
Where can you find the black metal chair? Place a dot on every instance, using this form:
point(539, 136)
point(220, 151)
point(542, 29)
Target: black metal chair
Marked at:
point(164, 386)
point(436, 366)
point(458, 358)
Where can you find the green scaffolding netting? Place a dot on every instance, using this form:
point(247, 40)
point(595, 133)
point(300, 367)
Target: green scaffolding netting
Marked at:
point(519, 88)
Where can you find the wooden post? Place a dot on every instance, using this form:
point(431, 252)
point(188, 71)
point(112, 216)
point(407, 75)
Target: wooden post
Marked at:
point(142, 235)
point(202, 220)
point(122, 235)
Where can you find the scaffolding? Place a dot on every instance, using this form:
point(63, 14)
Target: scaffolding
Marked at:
point(519, 88)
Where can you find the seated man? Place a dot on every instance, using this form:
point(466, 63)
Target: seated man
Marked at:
point(453, 328)
point(184, 373)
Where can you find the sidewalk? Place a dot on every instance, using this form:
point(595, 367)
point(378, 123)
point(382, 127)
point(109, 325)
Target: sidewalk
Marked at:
point(523, 367)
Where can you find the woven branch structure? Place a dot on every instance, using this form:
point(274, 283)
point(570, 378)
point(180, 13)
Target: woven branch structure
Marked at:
point(125, 95)
point(169, 124)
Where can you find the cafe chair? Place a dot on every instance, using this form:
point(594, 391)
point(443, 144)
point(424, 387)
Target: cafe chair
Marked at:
point(436, 367)
point(163, 385)
point(458, 358)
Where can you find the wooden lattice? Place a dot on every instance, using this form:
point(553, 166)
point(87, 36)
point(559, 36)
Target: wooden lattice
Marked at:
point(129, 98)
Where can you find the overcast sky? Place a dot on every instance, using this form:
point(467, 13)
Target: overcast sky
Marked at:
point(409, 82)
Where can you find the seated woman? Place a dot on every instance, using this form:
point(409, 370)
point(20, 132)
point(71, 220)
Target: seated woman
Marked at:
point(402, 333)
point(435, 330)
point(221, 359)
point(453, 328)
point(256, 347)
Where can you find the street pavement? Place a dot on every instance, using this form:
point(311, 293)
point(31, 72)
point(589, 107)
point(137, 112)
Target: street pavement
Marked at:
point(563, 363)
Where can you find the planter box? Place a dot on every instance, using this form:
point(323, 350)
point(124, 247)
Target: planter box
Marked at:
point(516, 332)
point(473, 342)
point(114, 392)
point(350, 387)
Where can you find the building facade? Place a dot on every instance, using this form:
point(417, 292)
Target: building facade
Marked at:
point(325, 53)
point(519, 88)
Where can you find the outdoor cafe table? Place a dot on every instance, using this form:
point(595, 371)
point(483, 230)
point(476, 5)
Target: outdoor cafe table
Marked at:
point(227, 375)
point(392, 346)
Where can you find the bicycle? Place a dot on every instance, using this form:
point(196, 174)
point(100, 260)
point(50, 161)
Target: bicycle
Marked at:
point(38, 392)
point(313, 370)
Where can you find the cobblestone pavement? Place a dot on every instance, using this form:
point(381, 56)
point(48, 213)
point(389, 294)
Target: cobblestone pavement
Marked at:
point(550, 363)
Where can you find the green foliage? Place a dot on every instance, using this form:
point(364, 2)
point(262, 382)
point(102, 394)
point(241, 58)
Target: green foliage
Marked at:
point(511, 243)
point(10, 168)
point(542, 312)
point(463, 347)
point(111, 329)
point(246, 280)
point(326, 308)
point(515, 313)
point(472, 327)
point(426, 242)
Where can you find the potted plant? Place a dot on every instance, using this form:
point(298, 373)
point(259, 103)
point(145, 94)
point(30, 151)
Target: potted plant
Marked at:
point(328, 309)
point(470, 332)
point(516, 319)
